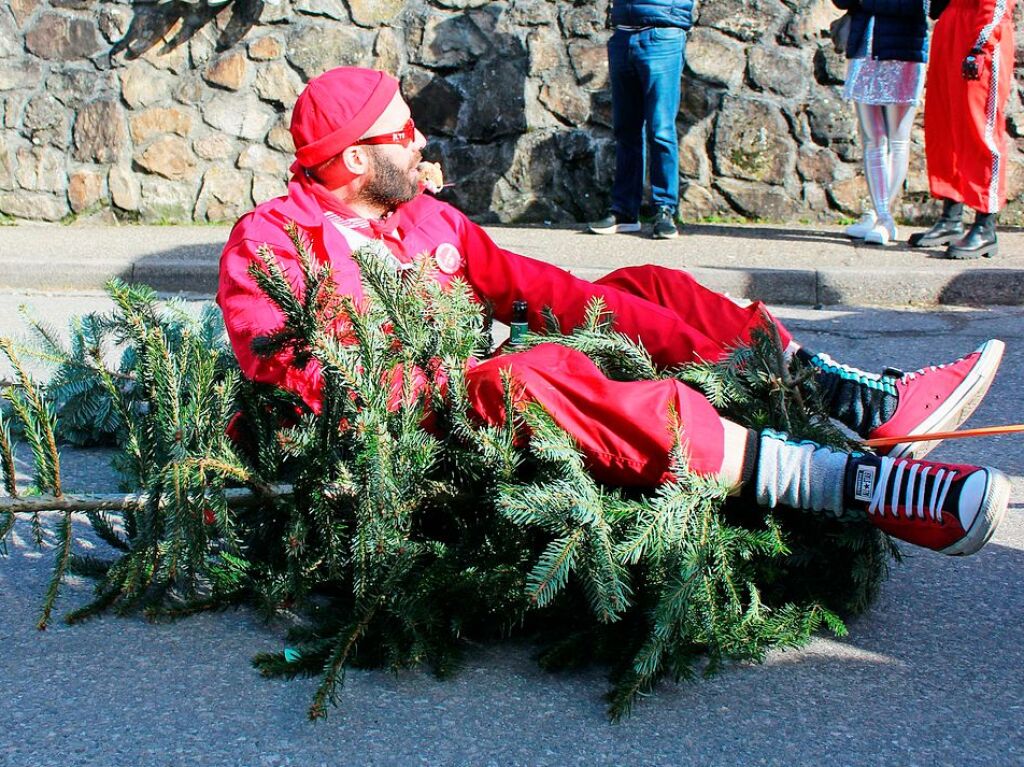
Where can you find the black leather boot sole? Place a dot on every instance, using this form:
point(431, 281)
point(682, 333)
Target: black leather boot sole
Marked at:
point(941, 233)
point(979, 242)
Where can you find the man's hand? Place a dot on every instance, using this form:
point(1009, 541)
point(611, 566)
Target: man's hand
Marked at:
point(971, 69)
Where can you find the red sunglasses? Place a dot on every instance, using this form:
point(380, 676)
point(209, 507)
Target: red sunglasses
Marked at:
point(404, 137)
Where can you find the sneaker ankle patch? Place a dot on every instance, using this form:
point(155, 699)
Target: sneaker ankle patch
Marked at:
point(864, 483)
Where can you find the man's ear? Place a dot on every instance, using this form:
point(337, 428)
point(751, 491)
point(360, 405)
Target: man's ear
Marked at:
point(356, 160)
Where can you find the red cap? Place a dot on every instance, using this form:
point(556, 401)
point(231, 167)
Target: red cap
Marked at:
point(336, 109)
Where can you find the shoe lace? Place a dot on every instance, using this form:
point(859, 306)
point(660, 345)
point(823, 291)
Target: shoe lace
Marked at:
point(911, 481)
point(927, 369)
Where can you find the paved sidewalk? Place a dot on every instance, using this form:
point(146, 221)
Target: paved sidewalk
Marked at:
point(781, 265)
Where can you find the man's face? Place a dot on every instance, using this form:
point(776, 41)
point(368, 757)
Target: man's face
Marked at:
point(389, 184)
point(392, 177)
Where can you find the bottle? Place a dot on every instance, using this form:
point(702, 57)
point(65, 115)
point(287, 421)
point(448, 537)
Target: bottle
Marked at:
point(518, 326)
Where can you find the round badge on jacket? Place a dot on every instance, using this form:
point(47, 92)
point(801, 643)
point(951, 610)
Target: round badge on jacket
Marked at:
point(448, 258)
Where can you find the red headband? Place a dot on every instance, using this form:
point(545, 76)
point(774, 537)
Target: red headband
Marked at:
point(337, 108)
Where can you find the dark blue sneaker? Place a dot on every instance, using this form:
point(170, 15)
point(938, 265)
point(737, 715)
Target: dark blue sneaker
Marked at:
point(665, 225)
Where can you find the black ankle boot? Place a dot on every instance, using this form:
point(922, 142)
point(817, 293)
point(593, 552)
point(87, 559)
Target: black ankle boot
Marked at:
point(947, 229)
point(979, 241)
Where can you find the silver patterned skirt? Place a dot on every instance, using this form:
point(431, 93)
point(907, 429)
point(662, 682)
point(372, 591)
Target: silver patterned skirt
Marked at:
point(871, 81)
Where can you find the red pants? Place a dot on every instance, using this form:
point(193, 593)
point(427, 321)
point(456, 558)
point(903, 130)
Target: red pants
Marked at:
point(623, 428)
point(965, 120)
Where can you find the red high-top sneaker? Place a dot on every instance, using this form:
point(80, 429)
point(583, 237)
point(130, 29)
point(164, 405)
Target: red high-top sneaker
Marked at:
point(935, 398)
point(949, 508)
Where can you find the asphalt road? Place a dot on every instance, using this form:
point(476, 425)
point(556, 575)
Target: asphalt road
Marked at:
point(931, 675)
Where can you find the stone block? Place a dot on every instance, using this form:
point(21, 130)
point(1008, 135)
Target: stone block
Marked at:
point(266, 48)
point(189, 89)
point(41, 169)
point(585, 20)
point(239, 114)
point(547, 51)
point(503, 113)
point(215, 146)
point(779, 71)
point(267, 188)
point(434, 101)
point(590, 63)
point(166, 201)
point(23, 10)
point(19, 74)
point(758, 201)
point(277, 83)
point(388, 51)
point(332, 9)
point(47, 121)
point(229, 71)
point(114, 21)
point(141, 85)
point(751, 141)
point(829, 66)
point(225, 195)
point(36, 206)
point(9, 143)
point(375, 13)
point(75, 85)
point(260, 159)
point(60, 37)
point(151, 122)
point(450, 41)
point(833, 124)
point(531, 13)
point(280, 138)
point(817, 164)
point(810, 22)
point(747, 20)
point(168, 156)
point(10, 37)
point(715, 58)
point(693, 154)
point(563, 99)
point(100, 134)
point(125, 190)
point(313, 50)
point(84, 189)
point(849, 195)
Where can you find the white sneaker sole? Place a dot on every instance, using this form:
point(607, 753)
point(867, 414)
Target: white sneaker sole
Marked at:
point(991, 513)
point(614, 229)
point(959, 405)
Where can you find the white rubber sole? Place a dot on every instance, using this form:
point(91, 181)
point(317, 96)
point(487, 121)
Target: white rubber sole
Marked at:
point(614, 229)
point(991, 513)
point(958, 406)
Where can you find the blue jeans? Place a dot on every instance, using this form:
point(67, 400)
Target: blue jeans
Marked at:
point(645, 68)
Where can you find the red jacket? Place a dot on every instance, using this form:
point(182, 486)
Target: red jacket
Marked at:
point(423, 225)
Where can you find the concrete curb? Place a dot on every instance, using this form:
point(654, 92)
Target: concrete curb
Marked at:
point(779, 265)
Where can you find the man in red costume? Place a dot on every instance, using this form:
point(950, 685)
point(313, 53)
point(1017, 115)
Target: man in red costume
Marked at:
point(970, 78)
point(356, 181)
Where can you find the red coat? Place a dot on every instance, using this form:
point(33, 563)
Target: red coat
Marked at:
point(625, 432)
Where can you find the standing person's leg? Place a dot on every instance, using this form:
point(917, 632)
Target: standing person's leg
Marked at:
point(899, 122)
point(628, 129)
point(875, 142)
point(626, 432)
point(941, 126)
point(985, 149)
point(660, 65)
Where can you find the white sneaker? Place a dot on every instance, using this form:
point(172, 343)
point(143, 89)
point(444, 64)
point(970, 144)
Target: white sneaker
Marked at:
point(859, 230)
point(882, 233)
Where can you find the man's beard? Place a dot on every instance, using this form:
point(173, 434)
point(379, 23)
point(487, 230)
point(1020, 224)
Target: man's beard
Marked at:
point(389, 186)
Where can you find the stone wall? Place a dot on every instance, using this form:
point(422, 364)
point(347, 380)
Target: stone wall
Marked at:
point(118, 110)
